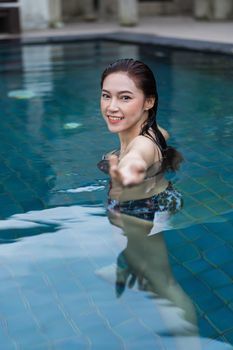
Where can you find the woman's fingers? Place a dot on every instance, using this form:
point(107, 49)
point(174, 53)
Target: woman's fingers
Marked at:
point(113, 168)
point(127, 175)
point(135, 175)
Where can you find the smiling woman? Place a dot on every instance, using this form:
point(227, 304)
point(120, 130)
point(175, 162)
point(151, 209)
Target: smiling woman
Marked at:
point(129, 103)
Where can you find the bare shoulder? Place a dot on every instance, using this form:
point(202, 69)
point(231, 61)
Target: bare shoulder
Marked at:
point(141, 141)
point(144, 147)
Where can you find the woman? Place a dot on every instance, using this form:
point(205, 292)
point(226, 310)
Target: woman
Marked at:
point(129, 103)
point(141, 200)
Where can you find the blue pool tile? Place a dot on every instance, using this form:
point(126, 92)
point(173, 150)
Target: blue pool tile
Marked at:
point(190, 201)
point(207, 241)
point(197, 265)
point(224, 231)
point(221, 318)
point(218, 227)
point(148, 342)
point(5, 341)
point(115, 312)
point(14, 184)
point(5, 171)
point(172, 260)
point(2, 188)
point(32, 281)
point(173, 239)
point(131, 330)
point(94, 327)
point(31, 204)
point(8, 206)
point(193, 232)
point(178, 342)
point(41, 346)
point(207, 302)
point(223, 190)
point(185, 253)
point(66, 286)
point(76, 304)
point(220, 206)
point(24, 330)
point(11, 302)
point(205, 196)
point(190, 186)
point(4, 273)
point(193, 286)
point(219, 343)
point(53, 314)
point(206, 329)
point(75, 343)
point(13, 308)
point(229, 216)
point(229, 336)
point(200, 212)
point(214, 278)
point(56, 327)
point(219, 255)
point(225, 293)
point(103, 338)
point(180, 272)
point(228, 268)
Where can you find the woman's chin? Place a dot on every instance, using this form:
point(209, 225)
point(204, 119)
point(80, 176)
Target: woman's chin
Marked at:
point(114, 129)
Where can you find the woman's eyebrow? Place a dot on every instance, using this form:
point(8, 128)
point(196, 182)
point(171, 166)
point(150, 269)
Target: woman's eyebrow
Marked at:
point(120, 92)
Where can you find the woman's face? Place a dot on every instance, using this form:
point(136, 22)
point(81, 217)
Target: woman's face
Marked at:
point(123, 104)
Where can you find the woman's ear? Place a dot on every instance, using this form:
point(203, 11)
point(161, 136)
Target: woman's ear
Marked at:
point(149, 103)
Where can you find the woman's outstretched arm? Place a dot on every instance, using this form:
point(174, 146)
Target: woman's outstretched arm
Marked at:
point(131, 168)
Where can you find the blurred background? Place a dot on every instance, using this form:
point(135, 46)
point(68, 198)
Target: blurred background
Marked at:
point(25, 15)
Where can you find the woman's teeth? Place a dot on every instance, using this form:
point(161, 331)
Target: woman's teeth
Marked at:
point(115, 118)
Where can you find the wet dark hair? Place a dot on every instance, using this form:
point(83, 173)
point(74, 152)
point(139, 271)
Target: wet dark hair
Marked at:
point(145, 81)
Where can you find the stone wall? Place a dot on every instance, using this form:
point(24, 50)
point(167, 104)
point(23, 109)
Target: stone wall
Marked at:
point(39, 14)
point(34, 16)
point(153, 8)
point(109, 9)
point(72, 9)
point(213, 9)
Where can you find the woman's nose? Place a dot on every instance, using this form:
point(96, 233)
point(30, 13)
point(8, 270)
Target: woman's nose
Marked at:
point(113, 106)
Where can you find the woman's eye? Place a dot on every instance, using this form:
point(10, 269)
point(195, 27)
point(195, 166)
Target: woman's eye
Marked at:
point(125, 98)
point(105, 96)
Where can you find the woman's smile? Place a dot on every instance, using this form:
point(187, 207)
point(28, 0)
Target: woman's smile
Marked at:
point(115, 119)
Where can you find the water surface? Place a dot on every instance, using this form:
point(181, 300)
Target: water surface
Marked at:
point(64, 265)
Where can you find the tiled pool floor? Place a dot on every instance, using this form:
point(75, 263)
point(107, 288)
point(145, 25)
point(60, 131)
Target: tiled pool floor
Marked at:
point(57, 290)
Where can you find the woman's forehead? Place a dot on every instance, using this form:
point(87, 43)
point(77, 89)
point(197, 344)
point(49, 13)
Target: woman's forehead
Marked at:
point(119, 81)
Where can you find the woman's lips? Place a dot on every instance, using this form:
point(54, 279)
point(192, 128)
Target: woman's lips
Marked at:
point(114, 119)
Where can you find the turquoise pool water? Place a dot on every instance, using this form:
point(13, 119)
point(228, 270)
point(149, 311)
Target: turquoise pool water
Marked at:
point(62, 270)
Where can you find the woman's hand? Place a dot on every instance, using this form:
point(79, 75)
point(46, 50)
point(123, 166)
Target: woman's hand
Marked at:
point(128, 172)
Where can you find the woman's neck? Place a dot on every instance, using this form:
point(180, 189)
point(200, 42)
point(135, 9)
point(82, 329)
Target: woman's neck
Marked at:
point(125, 140)
point(127, 136)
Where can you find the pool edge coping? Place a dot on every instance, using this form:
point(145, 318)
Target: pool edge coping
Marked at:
point(129, 37)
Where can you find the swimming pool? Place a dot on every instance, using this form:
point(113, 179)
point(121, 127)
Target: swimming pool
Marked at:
point(60, 255)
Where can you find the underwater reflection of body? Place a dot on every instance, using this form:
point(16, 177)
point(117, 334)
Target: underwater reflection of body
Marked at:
point(144, 264)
